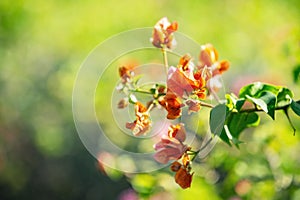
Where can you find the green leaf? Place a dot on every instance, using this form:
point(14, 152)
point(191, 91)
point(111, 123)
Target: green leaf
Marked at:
point(295, 105)
point(233, 102)
point(217, 118)
point(251, 89)
point(225, 137)
point(254, 89)
point(283, 94)
point(266, 101)
point(296, 73)
point(233, 139)
point(153, 90)
point(270, 99)
point(230, 101)
point(259, 102)
point(239, 104)
point(284, 97)
point(235, 124)
point(289, 119)
point(267, 96)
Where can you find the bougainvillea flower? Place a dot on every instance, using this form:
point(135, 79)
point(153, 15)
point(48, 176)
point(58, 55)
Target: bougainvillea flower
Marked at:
point(172, 104)
point(123, 103)
point(221, 67)
point(186, 161)
point(163, 33)
point(209, 58)
point(214, 84)
point(168, 149)
point(194, 106)
point(142, 123)
point(210, 68)
point(208, 55)
point(171, 146)
point(185, 63)
point(201, 93)
point(126, 73)
point(180, 82)
point(183, 178)
point(177, 131)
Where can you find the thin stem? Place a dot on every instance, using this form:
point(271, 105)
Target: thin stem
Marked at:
point(146, 92)
point(202, 148)
point(140, 91)
point(260, 110)
point(206, 104)
point(164, 51)
point(151, 106)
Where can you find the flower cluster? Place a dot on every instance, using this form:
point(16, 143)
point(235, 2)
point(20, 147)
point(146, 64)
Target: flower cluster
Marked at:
point(211, 67)
point(190, 83)
point(187, 85)
point(142, 123)
point(163, 34)
point(170, 148)
point(183, 176)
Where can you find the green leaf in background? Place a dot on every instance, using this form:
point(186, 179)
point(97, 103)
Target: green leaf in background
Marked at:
point(235, 124)
point(144, 184)
point(296, 73)
point(217, 118)
point(295, 105)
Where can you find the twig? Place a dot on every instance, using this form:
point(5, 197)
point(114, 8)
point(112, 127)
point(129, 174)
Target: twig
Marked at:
point(202, 148)
point(206, 104)
point(163, 49)
point(260, 110)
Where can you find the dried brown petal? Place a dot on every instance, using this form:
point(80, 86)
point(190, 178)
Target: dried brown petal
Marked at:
point(183, 178)
point(194, 106)
point(173, 105)
point(175, 166)
point(123, 103)
point(142, 123)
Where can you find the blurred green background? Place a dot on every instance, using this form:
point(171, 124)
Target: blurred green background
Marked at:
point(42, 45)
